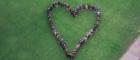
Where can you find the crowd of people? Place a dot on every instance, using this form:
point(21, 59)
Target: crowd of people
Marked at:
point(73, 12)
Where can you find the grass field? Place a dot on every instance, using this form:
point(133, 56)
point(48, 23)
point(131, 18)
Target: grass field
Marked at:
point(25, 34)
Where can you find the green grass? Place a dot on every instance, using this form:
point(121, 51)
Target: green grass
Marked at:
point(25, 34)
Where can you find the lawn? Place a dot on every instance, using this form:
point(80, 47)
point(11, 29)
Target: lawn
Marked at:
point(25, 34)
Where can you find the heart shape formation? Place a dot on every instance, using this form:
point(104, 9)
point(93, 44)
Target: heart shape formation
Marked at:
point(74, 13)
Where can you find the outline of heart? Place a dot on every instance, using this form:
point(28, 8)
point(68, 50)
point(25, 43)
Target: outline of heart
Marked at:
point(74, 13)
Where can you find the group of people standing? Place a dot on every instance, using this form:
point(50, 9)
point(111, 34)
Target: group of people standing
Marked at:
point(73, 12)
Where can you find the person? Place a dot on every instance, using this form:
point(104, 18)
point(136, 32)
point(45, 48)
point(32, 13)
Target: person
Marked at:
point(59, 3)
point(82, 41)
point(82, 6)
point(92, 7)
point(66, 5)
point(88, 34)
point(97, 22)
point(53, 29)
point(49, 15)
point(68, 8)
point(98, 13)
point(78, 9)
point(78, 46)
point(72, 12)
point(62, 44)
point(86, 6)
point(50, 8)
point(94, 29)
point(73, 53)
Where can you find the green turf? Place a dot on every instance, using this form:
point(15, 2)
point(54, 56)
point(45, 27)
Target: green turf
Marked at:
point(25, 34)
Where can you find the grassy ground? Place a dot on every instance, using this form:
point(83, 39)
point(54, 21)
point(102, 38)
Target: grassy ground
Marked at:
point(25, 34)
